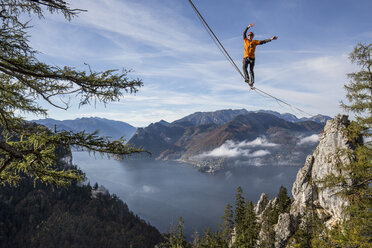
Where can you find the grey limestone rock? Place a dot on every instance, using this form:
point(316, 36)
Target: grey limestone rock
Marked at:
point(283, 229)
point(262, 203)
point(308, 190)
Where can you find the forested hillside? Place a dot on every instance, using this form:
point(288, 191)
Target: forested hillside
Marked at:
point(46, 216)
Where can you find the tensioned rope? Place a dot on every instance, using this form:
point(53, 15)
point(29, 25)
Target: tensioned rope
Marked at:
point(228, 57)
point(214, 38)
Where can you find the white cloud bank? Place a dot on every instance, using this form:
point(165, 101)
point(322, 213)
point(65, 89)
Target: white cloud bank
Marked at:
point(260, 141)
point(309, 139)
point(232, 149)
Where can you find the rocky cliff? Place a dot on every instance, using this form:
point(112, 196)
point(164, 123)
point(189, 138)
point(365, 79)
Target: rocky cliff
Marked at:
point(309, 193)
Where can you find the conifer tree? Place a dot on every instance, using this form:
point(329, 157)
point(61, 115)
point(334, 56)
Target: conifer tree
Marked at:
point(239, 210)
point(251, 229)
point(359, 90)
point(309, 230)
point(212, 240)
point(180, 237)
point(239, 215)
point(207, 240)
point(246, 226)
point(176, 237)
point(268, 220)
point(30, 149)
point(196, 239)
point(228, 223)
point(284, 201)
point(356, 229)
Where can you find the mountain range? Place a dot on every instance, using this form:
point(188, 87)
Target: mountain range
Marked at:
point(213, 140)
point(222, 116)
point(110, 128)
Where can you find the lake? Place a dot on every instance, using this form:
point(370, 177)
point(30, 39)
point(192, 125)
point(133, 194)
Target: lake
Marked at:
point(162, 191)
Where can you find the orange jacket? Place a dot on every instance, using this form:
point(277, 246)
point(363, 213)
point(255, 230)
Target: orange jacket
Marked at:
point(250, 47)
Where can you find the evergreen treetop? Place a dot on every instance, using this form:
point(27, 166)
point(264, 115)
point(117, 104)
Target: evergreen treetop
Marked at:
point(359, 90)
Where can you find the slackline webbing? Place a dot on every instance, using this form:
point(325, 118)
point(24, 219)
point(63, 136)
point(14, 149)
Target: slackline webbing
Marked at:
point(228, 57)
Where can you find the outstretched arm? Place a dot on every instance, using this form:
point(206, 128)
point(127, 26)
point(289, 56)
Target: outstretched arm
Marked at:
point(246, 29)
point(268, 40)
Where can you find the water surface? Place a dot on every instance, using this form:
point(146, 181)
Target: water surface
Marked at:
point(161, 191)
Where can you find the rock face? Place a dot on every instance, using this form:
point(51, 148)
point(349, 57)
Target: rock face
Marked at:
point(261, 204)
point(284, 229)
point(308, 190)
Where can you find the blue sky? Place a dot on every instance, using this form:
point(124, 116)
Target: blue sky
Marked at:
point(182, 69)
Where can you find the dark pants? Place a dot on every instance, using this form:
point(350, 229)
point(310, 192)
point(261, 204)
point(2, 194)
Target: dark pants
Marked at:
point(250, 62)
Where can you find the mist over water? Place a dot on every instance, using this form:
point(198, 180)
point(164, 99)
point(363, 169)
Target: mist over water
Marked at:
point(160, 191)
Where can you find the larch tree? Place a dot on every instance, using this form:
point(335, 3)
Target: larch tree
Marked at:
point(29, 149)
point(359, 89)
point(355, 231)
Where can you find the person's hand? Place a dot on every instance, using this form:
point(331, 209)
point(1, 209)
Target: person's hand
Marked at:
point(274, 38)
point(250, 25)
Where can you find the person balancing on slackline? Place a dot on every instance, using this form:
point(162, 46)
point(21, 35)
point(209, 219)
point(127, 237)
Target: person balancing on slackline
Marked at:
point(249, 57)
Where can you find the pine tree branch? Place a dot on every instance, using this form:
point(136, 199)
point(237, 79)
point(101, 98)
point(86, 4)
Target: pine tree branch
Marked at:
point(25, 79)
point(61, 6)
point(31, 86)
point(10, 150)
point(3, 113)
point(6, 163)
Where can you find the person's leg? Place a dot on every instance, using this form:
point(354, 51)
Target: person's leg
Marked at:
point(251, 71)
point(245, 71)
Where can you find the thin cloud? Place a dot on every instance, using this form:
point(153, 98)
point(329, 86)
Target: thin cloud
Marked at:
point(258, 142)
point(309, 139)
point(259, 153)
point(231, 149)
point(159, 27)
point(148, 189)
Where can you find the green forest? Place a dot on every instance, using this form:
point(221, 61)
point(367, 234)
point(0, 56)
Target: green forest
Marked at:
point(39, 215)
point(239, 226)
